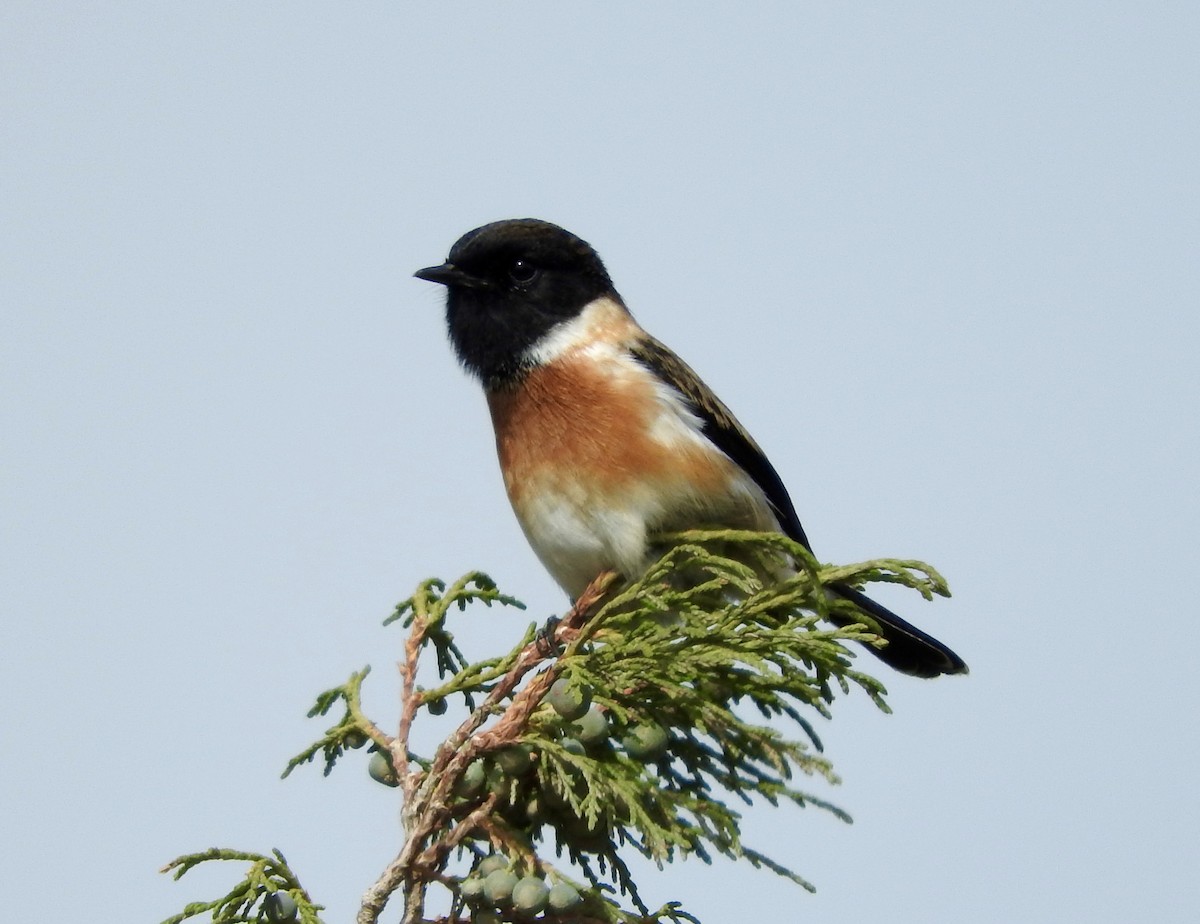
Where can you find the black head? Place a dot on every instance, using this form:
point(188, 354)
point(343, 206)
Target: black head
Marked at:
point(509, 283)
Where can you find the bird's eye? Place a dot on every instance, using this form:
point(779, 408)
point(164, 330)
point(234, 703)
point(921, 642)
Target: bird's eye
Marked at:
point(522, 272)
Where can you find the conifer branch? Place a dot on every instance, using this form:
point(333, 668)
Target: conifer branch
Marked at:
point(269, 883)
point(640, 721)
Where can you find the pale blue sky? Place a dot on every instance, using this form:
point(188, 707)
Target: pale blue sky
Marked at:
point(940, 259)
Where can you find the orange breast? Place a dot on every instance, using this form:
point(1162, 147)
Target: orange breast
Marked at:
point(581, 425)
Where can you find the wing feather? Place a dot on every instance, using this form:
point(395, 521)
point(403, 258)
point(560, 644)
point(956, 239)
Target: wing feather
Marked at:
point(909, 649)
point(723, 430)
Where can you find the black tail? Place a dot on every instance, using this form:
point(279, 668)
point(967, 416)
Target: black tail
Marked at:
point(908, 650)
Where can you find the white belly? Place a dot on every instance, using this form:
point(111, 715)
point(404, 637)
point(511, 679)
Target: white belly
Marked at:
point(577, 534)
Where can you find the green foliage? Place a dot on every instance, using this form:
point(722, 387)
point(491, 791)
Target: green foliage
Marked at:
point(348, 734)
point(702, 678)
point(250, 899)
point(431, 603)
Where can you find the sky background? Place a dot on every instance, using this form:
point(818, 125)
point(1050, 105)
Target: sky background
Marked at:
point(941, 258)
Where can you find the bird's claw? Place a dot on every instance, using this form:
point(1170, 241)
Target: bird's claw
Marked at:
point(547, 644)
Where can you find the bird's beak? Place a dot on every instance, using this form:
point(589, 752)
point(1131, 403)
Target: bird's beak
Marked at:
point(450, 275)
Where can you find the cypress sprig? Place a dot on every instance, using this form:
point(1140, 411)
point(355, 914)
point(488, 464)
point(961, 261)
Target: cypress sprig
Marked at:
point(351, 732)
point(269, 879)
point(703, 679)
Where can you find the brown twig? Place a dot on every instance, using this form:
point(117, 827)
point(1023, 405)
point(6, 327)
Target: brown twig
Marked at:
point(409, 702)
point(435, 854)
point(428, 795)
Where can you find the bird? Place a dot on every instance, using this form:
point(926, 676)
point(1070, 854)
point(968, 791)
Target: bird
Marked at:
point(605, 436)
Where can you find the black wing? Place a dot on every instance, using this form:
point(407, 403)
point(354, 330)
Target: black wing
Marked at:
point(909, 650)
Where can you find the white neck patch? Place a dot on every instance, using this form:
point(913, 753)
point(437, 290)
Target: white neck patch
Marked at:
point(599, 325)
